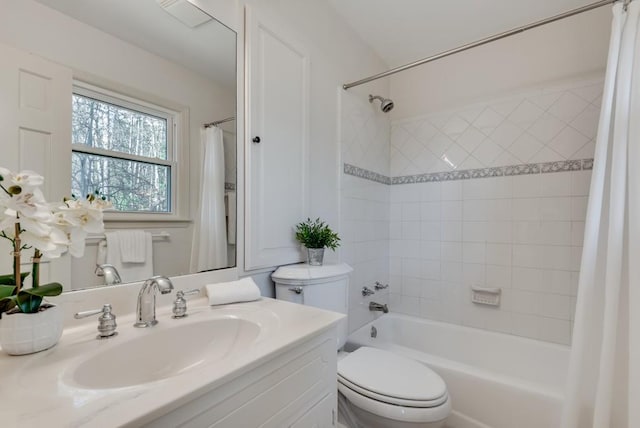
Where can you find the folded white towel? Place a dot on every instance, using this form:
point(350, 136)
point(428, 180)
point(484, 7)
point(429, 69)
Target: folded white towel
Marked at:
point(133, 245)
point(242, 290)
point(109, 252)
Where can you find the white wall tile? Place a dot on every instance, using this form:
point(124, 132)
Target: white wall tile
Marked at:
point(451, 190)
point(430, 211)
point(579, 208)
point(555, 184)
point(555, 306)
point(451, 231)
point(550, 124)
point(499, 254)
point(555, 330)
point(473, 252)
point(555, 209)
point(451, 251)
point(498, 276)
point(451, 210)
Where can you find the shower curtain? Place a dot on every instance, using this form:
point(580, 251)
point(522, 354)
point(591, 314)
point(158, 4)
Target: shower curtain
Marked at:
point(209, 248)
point(604, 373)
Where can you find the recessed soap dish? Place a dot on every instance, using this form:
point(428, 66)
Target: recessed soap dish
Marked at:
point(486, 296)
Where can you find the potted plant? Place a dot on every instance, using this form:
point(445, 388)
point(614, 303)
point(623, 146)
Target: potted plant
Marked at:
point(316, 235)
point(30, 223)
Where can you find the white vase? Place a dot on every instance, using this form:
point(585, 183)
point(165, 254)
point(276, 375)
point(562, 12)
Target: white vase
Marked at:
point(22, 334)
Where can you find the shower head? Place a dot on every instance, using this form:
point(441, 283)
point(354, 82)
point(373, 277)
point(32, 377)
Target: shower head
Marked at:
point(386, 105)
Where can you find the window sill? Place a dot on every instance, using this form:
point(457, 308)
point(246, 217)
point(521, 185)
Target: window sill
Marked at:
point(149, 219)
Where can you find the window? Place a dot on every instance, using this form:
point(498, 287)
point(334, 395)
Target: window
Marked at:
point(123, 148)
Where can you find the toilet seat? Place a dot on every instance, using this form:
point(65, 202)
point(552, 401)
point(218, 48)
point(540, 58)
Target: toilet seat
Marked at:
point(421, 404)
point(392, 378)
point(392, 386)
point(395, 412)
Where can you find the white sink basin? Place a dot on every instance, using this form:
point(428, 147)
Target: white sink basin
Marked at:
point(158, 354)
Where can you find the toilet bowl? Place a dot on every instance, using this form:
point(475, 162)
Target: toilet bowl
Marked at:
point(377, 388)
point(381, 389)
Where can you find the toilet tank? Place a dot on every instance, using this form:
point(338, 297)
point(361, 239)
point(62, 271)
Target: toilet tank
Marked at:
point(324, 287)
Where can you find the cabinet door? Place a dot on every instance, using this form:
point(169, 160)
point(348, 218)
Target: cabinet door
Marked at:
point(276, 147)
point(322, 415)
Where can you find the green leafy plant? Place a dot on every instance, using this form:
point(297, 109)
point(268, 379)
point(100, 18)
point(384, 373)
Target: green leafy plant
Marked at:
point(316, 234)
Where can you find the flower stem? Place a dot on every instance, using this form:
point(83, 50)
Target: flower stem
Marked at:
point(16, 258)
point(35, 268)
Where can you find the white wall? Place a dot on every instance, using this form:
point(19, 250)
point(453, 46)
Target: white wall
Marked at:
point(337, 56)
point(575, 45)
point(102, 59)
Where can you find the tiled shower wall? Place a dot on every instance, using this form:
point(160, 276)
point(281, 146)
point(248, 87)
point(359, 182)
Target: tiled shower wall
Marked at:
point(488, 195)
point(522, 234)
point(364, 210)
point(550, 123)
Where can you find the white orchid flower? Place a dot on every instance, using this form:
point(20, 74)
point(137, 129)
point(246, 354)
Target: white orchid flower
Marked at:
point(26, 180)
point(52, 245)
point(84, 215)
point(77, 242)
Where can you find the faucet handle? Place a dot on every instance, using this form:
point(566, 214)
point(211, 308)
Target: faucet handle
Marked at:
point(366, 291)
point(106, 321)
point(180, 304)
point(380, 286)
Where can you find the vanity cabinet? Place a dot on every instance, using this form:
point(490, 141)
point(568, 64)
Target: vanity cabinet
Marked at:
point(277, 70)
point(296, 388)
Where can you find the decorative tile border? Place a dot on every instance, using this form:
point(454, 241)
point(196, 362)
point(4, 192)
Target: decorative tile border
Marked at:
point(229, 186)
point(466, 174)
point(366, 174)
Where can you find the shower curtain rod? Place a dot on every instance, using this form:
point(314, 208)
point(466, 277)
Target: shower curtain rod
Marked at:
point(218, 122)
point(483, 42)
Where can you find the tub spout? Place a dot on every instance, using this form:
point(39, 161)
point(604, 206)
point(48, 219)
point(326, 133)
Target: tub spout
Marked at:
point(373, 306)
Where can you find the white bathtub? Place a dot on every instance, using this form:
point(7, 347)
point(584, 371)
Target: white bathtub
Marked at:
point(495, 380)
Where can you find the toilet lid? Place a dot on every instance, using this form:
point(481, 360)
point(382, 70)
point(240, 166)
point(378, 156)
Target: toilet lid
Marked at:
point(391, 378)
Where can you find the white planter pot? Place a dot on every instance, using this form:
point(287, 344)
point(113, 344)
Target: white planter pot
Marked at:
point(22, 334)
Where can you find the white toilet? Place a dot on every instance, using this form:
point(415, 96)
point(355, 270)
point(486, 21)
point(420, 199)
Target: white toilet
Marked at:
point(378, 389)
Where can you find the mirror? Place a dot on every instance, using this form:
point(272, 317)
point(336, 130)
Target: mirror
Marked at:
point(170, 59)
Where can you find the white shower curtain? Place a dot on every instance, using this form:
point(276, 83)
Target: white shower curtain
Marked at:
point(209, 248)
point(603, 383)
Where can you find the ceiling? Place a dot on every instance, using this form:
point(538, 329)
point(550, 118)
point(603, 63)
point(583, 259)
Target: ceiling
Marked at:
point(208, 49)
point(403, 31)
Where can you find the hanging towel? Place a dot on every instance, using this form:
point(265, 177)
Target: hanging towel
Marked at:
point(109, 251)
point(242, 290)
point(133, 246)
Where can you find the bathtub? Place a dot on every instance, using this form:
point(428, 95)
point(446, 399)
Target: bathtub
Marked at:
point(495, 380)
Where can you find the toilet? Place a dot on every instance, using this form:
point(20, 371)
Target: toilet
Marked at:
point(377, 388)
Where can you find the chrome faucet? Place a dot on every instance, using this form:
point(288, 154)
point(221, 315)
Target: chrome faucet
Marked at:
point(373, 306)
point(146, 310)
point(110, 273)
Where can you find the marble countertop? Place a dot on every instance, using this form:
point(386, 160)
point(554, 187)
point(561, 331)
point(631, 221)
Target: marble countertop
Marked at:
point(35, 390)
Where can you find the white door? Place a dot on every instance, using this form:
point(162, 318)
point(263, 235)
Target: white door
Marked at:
point(35, 131)
point(276, 148)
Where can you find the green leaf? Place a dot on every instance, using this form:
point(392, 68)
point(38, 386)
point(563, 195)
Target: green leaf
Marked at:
point(7, 303)
point(7, 290)
point(29, 300)
point(9, 279)
point(28, 303)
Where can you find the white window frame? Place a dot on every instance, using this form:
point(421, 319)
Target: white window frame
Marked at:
point(176, 140)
